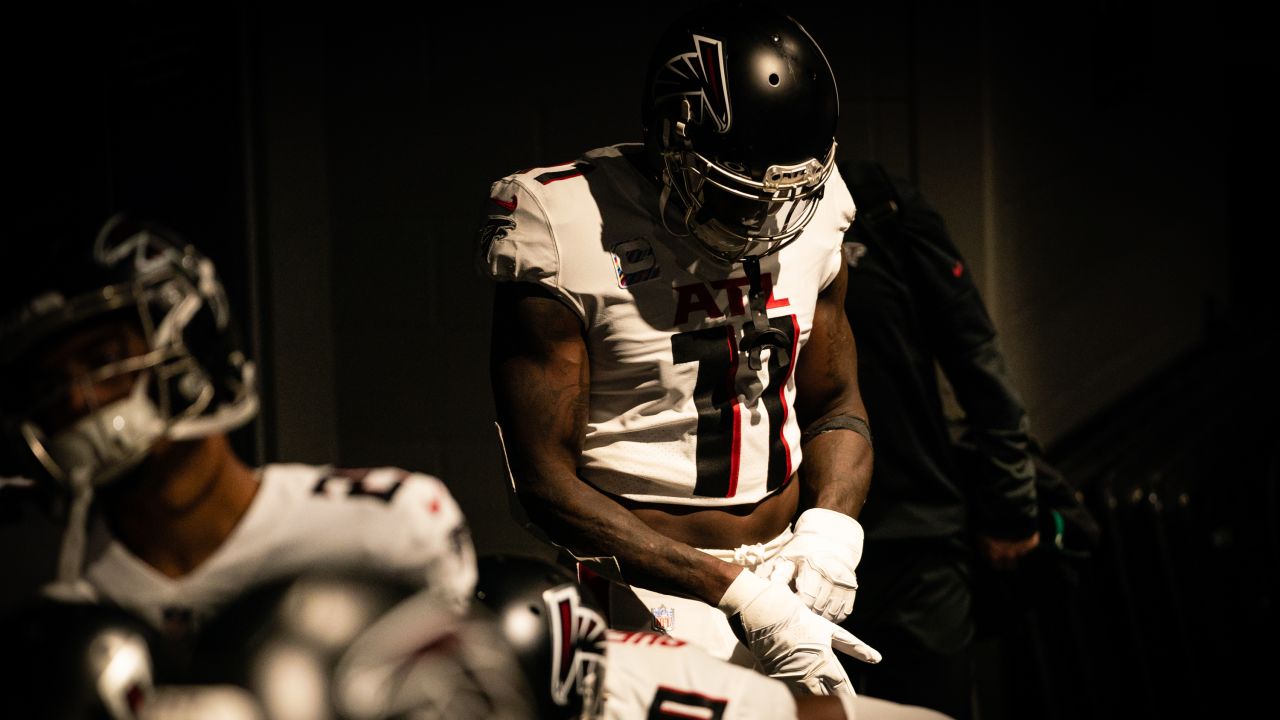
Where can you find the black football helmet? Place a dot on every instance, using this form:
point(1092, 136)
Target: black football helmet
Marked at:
point(358, 646)
point(740, 111)
point(67, 659)
point(554, 627)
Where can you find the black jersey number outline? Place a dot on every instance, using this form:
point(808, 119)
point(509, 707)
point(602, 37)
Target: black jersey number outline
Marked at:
point(356, 487)
point(715, 395)
point(686, 698)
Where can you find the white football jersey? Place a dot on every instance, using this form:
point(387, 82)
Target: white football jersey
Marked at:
point(677, 415)
point(307, 518)
point(649, 675)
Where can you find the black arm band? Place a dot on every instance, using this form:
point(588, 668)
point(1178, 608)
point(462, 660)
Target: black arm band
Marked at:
point(839, 422)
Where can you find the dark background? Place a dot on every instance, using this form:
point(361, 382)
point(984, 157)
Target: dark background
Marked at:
point(1106, 167)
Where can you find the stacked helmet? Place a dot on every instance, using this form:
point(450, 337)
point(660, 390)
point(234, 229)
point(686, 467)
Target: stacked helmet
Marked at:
point(358, 646)
point(76, 659)
point(281, 640)
point(191, 381)
point(554, 628)
point(740, 111)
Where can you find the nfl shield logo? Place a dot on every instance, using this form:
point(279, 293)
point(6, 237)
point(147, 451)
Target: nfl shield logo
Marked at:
point(664, 617)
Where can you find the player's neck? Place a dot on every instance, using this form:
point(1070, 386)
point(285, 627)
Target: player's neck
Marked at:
point(182, 504)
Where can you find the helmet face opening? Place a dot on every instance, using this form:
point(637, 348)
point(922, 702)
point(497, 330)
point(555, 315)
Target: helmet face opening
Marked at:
point(736, 217)
point(104, 388)
point(740, 112)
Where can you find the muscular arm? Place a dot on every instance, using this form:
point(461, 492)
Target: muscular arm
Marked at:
point(541, 385)
point(836, 471)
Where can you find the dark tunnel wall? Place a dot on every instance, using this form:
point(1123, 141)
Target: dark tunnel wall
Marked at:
point(1110, 202)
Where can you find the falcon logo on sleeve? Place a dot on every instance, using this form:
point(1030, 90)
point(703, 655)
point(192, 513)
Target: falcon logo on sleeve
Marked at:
point(495, 227)
point(499, 222)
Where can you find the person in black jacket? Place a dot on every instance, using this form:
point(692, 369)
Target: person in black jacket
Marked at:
point(913, 308)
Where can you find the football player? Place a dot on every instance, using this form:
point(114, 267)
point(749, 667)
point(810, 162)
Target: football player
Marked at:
point(669, 341)
point(121, 375)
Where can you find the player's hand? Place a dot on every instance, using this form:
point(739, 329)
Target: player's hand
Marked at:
point(825, 550)
point(790, 642)
point(1004, 554)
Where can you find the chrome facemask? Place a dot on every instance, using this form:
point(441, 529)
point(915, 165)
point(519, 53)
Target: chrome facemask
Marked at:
point(768, 214)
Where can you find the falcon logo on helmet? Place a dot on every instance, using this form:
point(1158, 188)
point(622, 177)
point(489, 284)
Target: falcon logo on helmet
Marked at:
point(577, 630)
point(700, 77)
point(554, 628)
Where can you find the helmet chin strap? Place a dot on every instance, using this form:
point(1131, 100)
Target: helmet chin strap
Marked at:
point(663, 201)
point(94, 450)
point(758, 333)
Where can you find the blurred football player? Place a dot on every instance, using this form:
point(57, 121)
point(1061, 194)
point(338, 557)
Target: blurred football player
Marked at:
point(578, 669)
point(669, 340)
point(120, 375)
point(356, 646)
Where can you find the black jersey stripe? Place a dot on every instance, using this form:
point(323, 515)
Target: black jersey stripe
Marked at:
point(577, 169)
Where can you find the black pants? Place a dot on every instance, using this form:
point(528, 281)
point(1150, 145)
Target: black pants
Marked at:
point(914, 605)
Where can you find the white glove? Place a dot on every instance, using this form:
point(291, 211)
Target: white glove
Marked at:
point(790, 642)
point(825, 549)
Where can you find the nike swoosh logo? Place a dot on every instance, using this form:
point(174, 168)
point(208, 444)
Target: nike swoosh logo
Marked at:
point(509, 206)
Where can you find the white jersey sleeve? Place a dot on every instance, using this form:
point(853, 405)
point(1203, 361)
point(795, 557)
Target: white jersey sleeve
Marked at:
point(837, 194)
point(649, 675)
point(518, 241)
